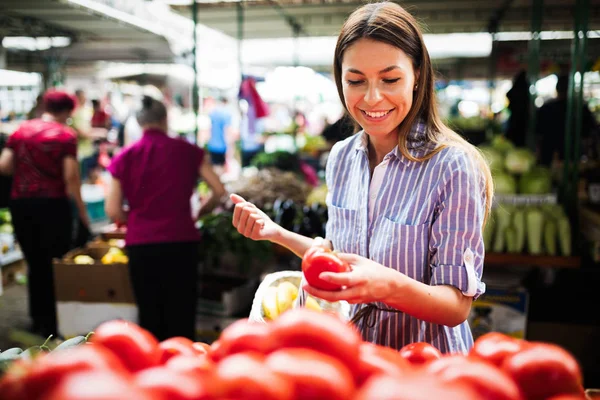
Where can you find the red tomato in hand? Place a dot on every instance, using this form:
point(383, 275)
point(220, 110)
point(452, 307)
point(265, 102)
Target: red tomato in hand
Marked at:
point(326, 333)
point(315, 375)
point(544, 370)
point(317, 260)
point(569, 397)
point(245, 376)
point(487, 380)
point(174, 385)
point(376, 359)
point(413, 387)
point(419, 353)
point(98, 385)
point(49, 370)
point(198, 365)
point(495, 347)
point(178, 345)
point(242, 336)
point(136, 347)
point(12, 382)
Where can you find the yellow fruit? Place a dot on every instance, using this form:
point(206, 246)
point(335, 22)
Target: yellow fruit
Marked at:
point(83, 259)
point(269, 303)
point(286, 294)
point(312, 304)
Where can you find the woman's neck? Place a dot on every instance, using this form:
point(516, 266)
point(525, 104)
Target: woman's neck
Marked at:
point(380, 147)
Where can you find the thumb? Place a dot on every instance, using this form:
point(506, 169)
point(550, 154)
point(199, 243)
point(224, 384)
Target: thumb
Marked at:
point(346, 257)
point(236, 198)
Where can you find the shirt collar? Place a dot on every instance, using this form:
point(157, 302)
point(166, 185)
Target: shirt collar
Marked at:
point(417, 142)
point(154, 131)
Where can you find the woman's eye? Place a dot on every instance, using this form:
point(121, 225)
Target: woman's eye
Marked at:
point(354, 83)
point(394, 80)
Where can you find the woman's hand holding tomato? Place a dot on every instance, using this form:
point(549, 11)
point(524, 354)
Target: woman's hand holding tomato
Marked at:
point(364, 282)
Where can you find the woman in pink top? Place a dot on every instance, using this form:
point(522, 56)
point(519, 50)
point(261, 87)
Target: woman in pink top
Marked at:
point(157, 177)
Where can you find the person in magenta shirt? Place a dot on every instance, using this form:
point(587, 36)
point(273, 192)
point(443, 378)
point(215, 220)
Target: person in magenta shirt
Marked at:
point(157, 177)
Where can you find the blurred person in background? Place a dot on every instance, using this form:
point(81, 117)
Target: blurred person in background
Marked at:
point(518, 104)
point(82, 123)
point(100, 118)
point(157, 176)
point(38, 108)
point(220, 134)
point(551, 125)
point(42, 157)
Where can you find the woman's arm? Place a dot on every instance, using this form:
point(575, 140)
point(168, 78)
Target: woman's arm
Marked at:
point(114, 202)
point(73, 185)
point(217, 189)
point(253, 223)
point(7, 159)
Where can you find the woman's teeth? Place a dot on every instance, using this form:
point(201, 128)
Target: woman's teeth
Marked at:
point(377, 114)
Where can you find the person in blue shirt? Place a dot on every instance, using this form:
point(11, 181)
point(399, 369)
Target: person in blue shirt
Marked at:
point(220, 125)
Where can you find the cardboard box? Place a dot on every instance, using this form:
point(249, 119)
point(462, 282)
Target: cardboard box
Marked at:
point(96, 283)
point(501, 310)
point(79, 318)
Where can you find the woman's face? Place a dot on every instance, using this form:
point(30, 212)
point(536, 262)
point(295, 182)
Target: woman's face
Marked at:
point(378, 82)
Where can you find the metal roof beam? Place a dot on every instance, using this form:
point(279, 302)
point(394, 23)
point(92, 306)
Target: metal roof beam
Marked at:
point(11, 25)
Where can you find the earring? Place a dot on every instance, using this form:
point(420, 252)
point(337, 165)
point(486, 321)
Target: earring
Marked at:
point(416, 86)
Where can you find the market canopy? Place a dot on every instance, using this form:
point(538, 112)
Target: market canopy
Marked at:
point(277, 18)
point(96, 31)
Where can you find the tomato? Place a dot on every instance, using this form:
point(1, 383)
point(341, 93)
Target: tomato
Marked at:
point(202, 346)
point(193, 364)
point(487, 380)
point(326, 333)
point(245, 376)
point(413, 387)
point(242, 336)
point(317, 260)
point(376, 359)
point(49, 370)
point(215, 350)
point(178, 345)
point(315, 375)
point(174, 385)
point(98, 385)
point(12, 382)
point(568, 397)
point(543, 370)
point(136, 347)
point(419, 353)
point(495, 347)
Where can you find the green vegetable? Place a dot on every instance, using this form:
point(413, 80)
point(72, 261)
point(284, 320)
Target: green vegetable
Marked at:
point(503, 213)
point(564, 235)
point(550, 233)
point(493, 157)
point(536, 181)
point(518, 222)
point(519, 161)
point(488, 231)
point(511, 239)
point(535, 225)
point(76, 341)
point(502, 144)
point(15, 351)
point(504, 183)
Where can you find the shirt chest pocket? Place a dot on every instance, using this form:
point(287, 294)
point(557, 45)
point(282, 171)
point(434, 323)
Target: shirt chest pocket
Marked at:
point(342, 229)
point(401, 247)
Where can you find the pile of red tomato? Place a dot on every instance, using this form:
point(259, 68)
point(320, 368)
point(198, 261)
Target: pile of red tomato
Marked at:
point(301, 355)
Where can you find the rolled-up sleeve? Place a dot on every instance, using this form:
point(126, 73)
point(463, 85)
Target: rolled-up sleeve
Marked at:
point(456, 242)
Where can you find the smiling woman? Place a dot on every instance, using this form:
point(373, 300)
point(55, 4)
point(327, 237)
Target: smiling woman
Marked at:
point(408, 197)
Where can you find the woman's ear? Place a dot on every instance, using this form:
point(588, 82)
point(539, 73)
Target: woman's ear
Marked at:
point(417, 75)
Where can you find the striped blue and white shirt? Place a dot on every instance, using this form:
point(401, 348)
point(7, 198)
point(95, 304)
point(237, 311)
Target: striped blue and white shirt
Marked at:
point(425, 222)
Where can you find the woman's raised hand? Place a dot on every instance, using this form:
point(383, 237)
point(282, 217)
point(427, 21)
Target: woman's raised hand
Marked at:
point(251, 221)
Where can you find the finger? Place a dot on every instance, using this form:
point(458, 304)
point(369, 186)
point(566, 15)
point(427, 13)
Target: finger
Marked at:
point(250, 224)
point(348, 279)
point(351, 295)
point(349, 258)
point(258, 225)
point(237, 213)
point(244, 220)
point(236, 199)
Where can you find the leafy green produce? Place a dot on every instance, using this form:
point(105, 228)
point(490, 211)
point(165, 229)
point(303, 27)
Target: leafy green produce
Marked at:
point(494, 158)
point(488, 231)
point(535, 225)
point(564, 235)
point(511, 239)
point(502, 144)
point(503, 219)
point(518, 222)
point(519, 161)
point(504, 183)
point(536, 181)
point(550, 235)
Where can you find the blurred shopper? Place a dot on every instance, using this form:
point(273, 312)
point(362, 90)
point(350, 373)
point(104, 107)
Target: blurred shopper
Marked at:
point(100, 118)
point(551, 123)
point(250, 133)
point(82, 123)
point(156, 176)
point(42, 157)
point(518, 104)
point(220, 133)
point(408, 197)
